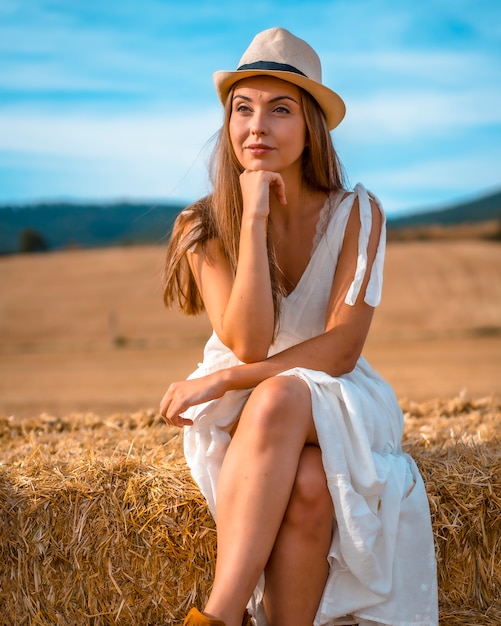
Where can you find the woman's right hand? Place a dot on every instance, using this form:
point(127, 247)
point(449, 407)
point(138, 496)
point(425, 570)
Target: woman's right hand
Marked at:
point(256, 186)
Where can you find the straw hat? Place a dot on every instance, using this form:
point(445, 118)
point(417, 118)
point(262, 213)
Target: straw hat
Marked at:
point(277, 52)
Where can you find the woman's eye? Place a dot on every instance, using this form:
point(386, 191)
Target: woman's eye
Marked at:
point(242, 108)
point(282, 109)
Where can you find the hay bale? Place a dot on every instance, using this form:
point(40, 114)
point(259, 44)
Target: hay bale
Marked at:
point(464, 490)
point(457, 446)
point(101, 524)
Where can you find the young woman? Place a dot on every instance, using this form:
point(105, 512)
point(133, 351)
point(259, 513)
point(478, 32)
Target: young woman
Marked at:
point(293, 439)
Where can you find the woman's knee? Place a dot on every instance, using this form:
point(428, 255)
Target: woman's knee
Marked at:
point(310, 506)
point(278, 402)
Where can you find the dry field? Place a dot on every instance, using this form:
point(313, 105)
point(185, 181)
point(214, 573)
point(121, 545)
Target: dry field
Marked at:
point(87, 330)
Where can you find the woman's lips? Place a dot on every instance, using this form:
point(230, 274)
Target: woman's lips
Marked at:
point(258, 148)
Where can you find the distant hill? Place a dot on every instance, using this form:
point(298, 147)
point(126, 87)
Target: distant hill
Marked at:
point(483, 209)
point(67, 225)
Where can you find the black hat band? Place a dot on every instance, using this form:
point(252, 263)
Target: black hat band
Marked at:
point(270, 65)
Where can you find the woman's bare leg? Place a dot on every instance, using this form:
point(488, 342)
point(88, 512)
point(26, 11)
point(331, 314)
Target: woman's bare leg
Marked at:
point(254, 489)
point(297, 570)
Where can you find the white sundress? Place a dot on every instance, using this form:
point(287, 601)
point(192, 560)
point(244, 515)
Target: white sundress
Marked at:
point(382, 558)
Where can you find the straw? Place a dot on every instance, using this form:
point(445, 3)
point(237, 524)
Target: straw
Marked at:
point(101, 523)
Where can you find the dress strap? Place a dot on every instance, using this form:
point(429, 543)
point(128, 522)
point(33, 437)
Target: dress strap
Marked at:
point(374, 288)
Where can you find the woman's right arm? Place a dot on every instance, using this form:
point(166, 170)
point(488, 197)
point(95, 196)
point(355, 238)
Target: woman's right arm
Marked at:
point(240, 306)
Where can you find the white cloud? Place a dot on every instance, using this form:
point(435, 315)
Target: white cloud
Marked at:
point(116, 137)
point(434, 181)
point(431, 65)
point(145, 156)
point(460, 172)
point(409, 115)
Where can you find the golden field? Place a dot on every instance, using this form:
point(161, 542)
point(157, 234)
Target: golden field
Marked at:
point(87, 329)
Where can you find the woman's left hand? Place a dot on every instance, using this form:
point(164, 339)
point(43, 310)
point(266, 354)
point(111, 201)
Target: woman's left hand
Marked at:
point(181, 395)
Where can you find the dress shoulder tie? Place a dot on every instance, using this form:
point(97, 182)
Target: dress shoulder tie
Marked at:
point(374, 288)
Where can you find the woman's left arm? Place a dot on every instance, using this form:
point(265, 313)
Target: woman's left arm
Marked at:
point(335, 351)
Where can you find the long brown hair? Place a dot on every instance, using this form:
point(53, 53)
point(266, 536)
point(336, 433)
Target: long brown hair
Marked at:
point(219, 215)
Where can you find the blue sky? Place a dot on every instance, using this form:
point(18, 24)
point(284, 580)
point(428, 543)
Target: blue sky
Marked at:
point(115, 100)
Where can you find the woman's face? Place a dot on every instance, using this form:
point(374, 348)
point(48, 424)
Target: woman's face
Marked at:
point(267, 126)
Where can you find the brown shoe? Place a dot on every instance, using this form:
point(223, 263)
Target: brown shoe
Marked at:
point(195, 618)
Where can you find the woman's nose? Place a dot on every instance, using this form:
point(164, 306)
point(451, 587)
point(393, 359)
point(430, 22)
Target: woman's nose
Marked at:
point(259, 126)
